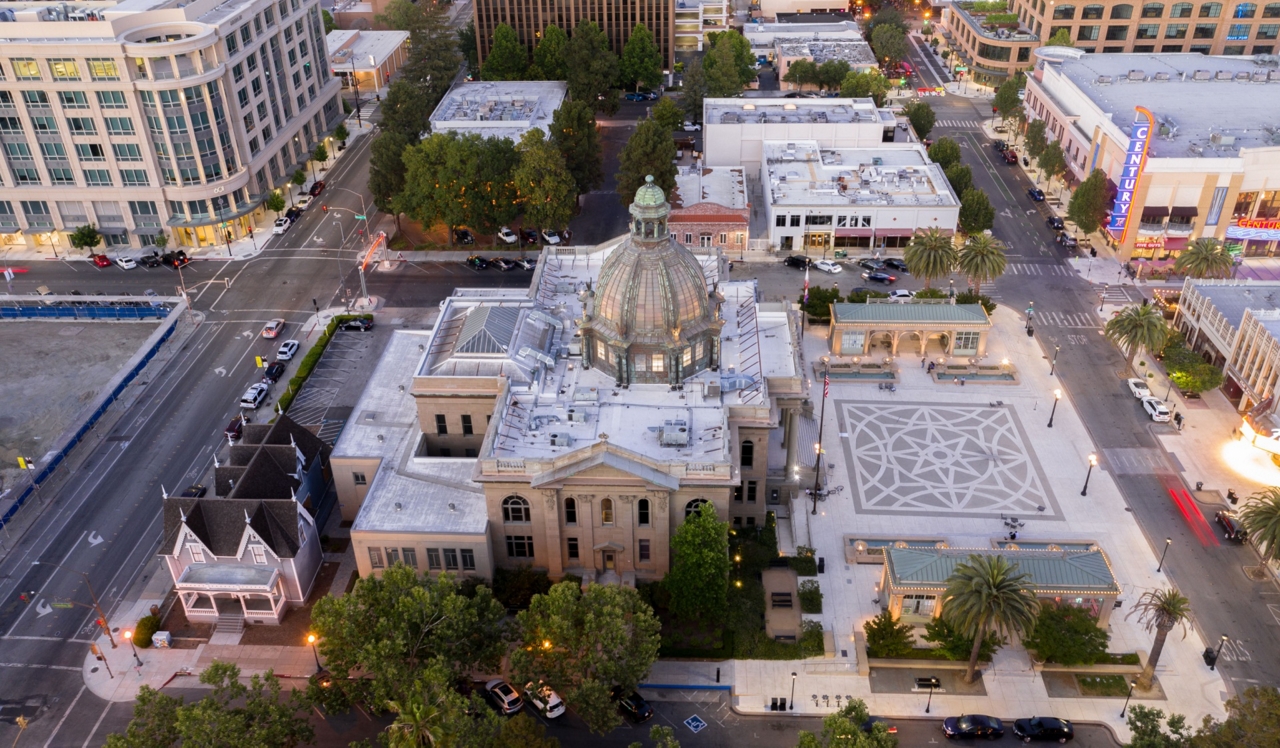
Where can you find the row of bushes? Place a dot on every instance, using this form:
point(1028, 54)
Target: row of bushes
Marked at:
point(309, 361)
point(1187, 369)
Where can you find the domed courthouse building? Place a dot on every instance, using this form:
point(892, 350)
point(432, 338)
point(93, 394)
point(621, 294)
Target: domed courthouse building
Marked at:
point(572, 426)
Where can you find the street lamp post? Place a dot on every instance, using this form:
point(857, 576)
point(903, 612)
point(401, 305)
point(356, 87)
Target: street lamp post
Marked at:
point(1168, 391)
point(129, 635)
point(1093, 460)
point(1054, 364)
point(1057, 395)
point(311, 639)
point(1102, 298)
point(102, 617)
point(1216, 655)
point(929, 704)
point(792, 705)
point(1167, 542)
point(951, 289)
point(817, 463)
point(1125, 708)
point(355, 83)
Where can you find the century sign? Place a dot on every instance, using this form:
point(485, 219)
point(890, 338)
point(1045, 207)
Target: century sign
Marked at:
point(1134, 159)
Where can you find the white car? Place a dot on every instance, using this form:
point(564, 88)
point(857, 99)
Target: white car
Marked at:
point(288, 349)
point(692, 126)
point(1155, 409)
point(902, 294)
point(281, 225)
point(126, 263)
point(254, 397)
point(507, 236)
point(1139, 388)
point(303, 202)
point(550, 237)
point(827, 266)
point(273, 328)
point(546, 701)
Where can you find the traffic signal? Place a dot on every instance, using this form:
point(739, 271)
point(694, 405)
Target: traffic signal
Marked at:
point(23, 597)
point(324, 208)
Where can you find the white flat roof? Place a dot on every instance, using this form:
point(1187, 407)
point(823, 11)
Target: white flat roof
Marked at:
point(736, 111)
point(857, 53)
point(897, 175)
point(499, 109)
point(764, 34)
point(722, 185)
point(346, 45)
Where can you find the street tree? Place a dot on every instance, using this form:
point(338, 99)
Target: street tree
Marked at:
point(1261, 517)
point(573, 130)
point(739, 55)
point(1159, 610)
point(649, 151)
point(866, 84)
point(831, 74)
point(888, 637)
point(299, 177)
point(341, 134)
point(889, 44)
point(523, 731)
point(931, 255)
point(1052, 161)
point(592, 68)
point(945, 152)
point(668, 113)
point(981, 259)
point(976, 213)
point(321, 154)
point(698, 581)
point(1205, 258)
point(275, 202)
point(801, 73)
point(1035, 138)
point(387, 170)
point(389, 629)
point(161, 241)
point(641, 64)
point(1149, 729)
point(1006, 100)
point(1137, 327)
point(844, 729)
point(327, 19)
point(1253, 718)
point(1067, 635)
point(720, 70)
point(508, 58)
point(1088, 206)
point(546, 188)
point(406, 109)
point(154, 723)
point(1060, 38)
point(431, 713)
point(695, 90)
point(960, 177)
point(584, 643)
point(433, 60)
point(468, 45)
point(86, 237)
point(662, 737)
point(985, 594)
point(888, 16)
point(548, 56)
point(498, 204)
point(921, 117)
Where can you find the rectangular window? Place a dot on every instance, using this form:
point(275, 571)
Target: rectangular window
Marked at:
point(44, 124)
point(18, 151)
point(200, 120)
point(1233, 49)
point(442, 426)
point(1088, 33)
point(259, 554)
point(1238, 31)
point(112, 100)
point(177, 124)
point(433, 559)
point(573, 548)
point(393, 556)
point(10, 124)
point(450, 559)
point(53, 150)
point(81, 126)
point(134, 178)
point(659, 363)
point(780, 221)
point(410, 557)
point(119, 125)
point(1175, 31)
point(1263, 49)
point(1148, 31)
point(1268, 31)
point(97, 177)
point(967, 342)
point(6, 98)
point(126, 151)
point(35, 99)
point(359, 479)
point(466, 425)
point(1117, 33)
point(64, 70)
point(101, 69)
point(751, 492)
point(26, 176)
point(73, 100)
point(155, 124)
point(26, 69)
point(61, 176)
point(520, 546)
point(468, 559)
point(795, 221)
point(644, 551)
point(1205, 31)
point(197, 554)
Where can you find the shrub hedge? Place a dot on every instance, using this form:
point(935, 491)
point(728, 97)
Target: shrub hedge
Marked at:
point(309, 361)
point(146, 628)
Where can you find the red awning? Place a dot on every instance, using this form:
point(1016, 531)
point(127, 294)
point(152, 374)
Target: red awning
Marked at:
point(853, 232)
point(1175, 243)
point(895, 232)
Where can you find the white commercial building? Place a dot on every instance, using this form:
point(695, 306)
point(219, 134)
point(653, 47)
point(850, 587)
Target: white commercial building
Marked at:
point(499, 109)
point(368, 57)
point(143, 115)
point(763, 36)
point(819, 198)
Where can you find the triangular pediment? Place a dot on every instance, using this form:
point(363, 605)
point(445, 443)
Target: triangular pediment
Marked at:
point(605, 465)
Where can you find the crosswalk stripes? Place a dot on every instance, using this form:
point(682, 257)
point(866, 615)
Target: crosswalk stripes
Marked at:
point(367, 110)
point(1019, 268)
point(958, 123)
point(1076, 320)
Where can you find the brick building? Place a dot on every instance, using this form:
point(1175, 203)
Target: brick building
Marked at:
point(709, 208)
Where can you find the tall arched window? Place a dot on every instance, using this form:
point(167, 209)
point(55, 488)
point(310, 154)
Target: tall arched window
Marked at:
point(1153, 10)
point(1211, 10)
point(1271, 11)
point(642, 512)
point(606, 511)
point(1180, 10)
point(1092, 12)
point(748, 453)
point(1064, 12)
point(1121, 11)
point(1245, 10)
point(692, 506)
point(571, 511)
point(515, 509)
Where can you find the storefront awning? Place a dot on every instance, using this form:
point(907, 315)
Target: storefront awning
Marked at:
point(1154, 211)
point(113, 230)
point(1184, 211)
point(1175, 243)
point(148, 231)
point(854, 232)
point(895, 232)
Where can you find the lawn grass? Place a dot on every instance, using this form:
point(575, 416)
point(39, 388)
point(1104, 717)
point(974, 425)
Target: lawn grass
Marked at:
point(1102, 685)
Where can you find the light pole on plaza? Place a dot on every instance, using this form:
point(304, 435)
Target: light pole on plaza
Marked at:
point(1124, 708)
point(1057, 395)
point(1167, 542)
point(1093, 460)
point(129, 635)
point(792, 705)
point(817, 463)
point(1218, 654)
point(311, 639)
point(1054, 364)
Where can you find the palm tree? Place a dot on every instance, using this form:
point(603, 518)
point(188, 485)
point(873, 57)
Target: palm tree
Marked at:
point(982, 259)
point(1139, 326)
point(1205, 258)
point(1160, 610)
point(930, 254)
point(987, 594)
point(419, 721)
point(1261, 518)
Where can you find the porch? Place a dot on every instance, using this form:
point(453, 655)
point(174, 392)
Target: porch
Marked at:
point(211, 591)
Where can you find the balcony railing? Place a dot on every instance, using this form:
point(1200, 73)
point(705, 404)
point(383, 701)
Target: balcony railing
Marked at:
point(1156, 227)
point(1180, 229)
point(1019, 34)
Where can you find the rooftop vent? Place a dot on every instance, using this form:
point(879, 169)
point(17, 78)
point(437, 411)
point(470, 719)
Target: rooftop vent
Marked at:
point(1224, 75)
point(1104, 80)
point(1218, 138)
point(674, 434)
point(561, 440)
point(398, 506)
point(453, 507)
point(1201, 75)
point(1243, 75)
point(1161, 76)
point(1136, 75)
point(577, 416)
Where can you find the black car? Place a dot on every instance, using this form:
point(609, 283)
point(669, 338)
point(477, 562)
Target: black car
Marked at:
point(235, 428)
point(633, 705)
point(476, 262)
point(894, 263)
point(1055, 223)
point(868, 263)
point(973, 726)
point(870, 725)
point(152, 260)
point(502, 264)
point(175, 259)
point(1036, 194)
point(797, 261)
point(194, 491)
point(273, 372)
point(879, 277)
point(1000, 146)
point(463, 236)
point(529, 236)
point(1231, 527)
point(359, 324)
point(293, 214)
point(1043, 729)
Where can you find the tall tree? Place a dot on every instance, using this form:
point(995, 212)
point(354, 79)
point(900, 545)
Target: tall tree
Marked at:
point(831, 74)
point(1160, 610)
point(668, 113)
point(886, 17)
point(583, 643)
point(1006, 100)
point(976, 213)
point(844, 729)
point(433, 59)
point(154, 723)
point(641, 64)
point(1036, 139)
point(945, 152)
point(1261, 517)
point(743, 59)
point(931, 255)
point(327, 19)
point(523, 731)
point(695, 90)
point(548, 56)
point(406, 110)
point(86, 237)
point(498, 204)
point(1149, 729)
point(986, 593)
point(649, 152)
point(1205, 258)
point(698, 582)
point(468, 45)
point(592, 67)
point(390, 628)
point(921, 117)
point(1088, 206)
point(1137, 327)
point(866, 84)
point(981, 259)
point(1067, 635)
point(387, 170)
point(801, 73)
point(1253, 718)
point(546, 188)
point(430, 713)
point(1052, 161)
point(720, 69)
point(508, 59)
point(960, 177)
point(275, 202)
point(573, 130)
point(1060, 38)
point(889, 44)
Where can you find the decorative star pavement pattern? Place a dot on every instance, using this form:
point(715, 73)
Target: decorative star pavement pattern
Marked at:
point(930, 459)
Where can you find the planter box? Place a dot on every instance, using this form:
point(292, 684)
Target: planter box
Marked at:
point(922, 664)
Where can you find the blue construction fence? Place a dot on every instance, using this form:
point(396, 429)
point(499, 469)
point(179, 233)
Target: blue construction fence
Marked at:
point(43, 474)
point(87, 311)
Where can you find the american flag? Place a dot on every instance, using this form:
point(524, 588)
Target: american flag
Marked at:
point(806, 285)
point(826, 385)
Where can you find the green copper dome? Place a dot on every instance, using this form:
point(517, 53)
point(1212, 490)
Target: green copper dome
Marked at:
point(649, 195)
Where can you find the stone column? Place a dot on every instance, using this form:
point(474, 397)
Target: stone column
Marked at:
point(551, 533)
point(790, 435)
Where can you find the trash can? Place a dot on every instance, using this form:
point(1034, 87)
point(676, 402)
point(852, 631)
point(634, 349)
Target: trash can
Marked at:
point(1210, 657)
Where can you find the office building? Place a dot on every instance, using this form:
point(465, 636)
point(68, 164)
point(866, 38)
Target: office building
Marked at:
point(499, 109)
point(695, 20)
point(709, 208)
point(734, 130)
point(365, 60)
point(153, 116)
point(616, 18)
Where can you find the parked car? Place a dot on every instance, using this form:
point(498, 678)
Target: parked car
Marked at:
point(175, 259)
point(507, 236)
point(273, 328)
point(504, 697)
point(273, 372)
point(303, 202)
point(879, 277)
point(1066, 240)
point(1000, 146)
point(293, 214)
point(827, 266)
point(633, 705)
point(872, 264)
point(316, 189)
point(235, 428)
point(1055, 223)
point(636, 97)
point(691, 126)
point(550, 237)
point(101, 261)
point(1036, 194)
point(1231, 527)
point(463, 236)
point(359, 324)
point(871, 723)
point(1155, 409)
point(902, 293)
point(797, 261)
point(281, 225)
point(152, 260)
point(1043, 729)
point(973, 726)
point(896, 264)
point(529, 236)
point(194, 491)
point(254, 397)
point(502, 264)
point(288, 349)
point(126, 263)
point(525, 263)
point(1010, 156)
point(476, 262)
point(546, 701)
point(152, 296)
point(1138, 387)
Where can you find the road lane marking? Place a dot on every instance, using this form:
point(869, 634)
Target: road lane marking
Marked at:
point(70, 708)
point(46, 582)
point(94, 538)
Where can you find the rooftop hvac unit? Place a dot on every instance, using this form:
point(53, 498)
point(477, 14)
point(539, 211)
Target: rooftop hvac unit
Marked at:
point(1218, 138)
point(1136, 75)
point(1201, 75)
point(674, 434)
point(561, 440)
point(1224, 75)
point(1161, 76)
point(577, 416)
point(1104, 80)
point(713, 389)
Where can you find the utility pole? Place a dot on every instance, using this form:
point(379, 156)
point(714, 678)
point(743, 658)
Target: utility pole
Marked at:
point(96, 607)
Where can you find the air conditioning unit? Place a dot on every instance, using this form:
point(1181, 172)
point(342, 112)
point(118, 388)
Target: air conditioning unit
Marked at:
point(561, 440)
point(577, 416)
point(674, 434)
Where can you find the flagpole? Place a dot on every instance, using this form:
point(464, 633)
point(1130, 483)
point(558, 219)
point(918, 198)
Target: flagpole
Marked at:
point(817, 463)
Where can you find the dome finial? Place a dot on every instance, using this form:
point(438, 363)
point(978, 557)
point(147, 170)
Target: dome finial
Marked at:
point(648, 179)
